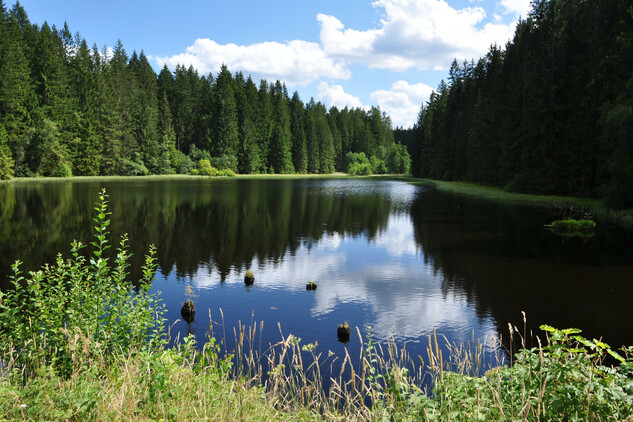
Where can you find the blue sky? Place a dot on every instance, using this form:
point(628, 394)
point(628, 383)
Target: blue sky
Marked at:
point(356, 53)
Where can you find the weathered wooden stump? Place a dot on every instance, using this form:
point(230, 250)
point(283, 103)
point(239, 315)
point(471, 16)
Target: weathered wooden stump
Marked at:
point(188, 311)
point(344, 332)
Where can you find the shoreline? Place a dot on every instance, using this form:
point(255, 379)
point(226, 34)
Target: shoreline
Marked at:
point(594, 206)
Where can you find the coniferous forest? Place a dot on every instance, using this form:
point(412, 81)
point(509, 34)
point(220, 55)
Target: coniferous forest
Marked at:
point(551, 113)
point(68, 109)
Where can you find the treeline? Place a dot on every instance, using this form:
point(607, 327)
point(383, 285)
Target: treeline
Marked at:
point(67, 109)
point(552, 113)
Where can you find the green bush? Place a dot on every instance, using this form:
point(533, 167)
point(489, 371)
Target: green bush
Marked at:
point(378, 166)
point(206, 169)
point(61, 170)
point(44, 310)
point(224, 162)
point(132, 168)
point(358, 164)
point(359, 169)
point(398, 160)
point(182, 163)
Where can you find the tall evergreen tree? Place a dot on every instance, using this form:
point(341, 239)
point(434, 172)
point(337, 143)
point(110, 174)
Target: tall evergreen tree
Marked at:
point(279, 152)
point(225, 127)
point(297, 129)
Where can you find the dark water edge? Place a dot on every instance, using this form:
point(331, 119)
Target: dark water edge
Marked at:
point(398, 258)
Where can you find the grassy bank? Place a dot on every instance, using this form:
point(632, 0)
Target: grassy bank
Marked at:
point(566, 205)
point(80, 341)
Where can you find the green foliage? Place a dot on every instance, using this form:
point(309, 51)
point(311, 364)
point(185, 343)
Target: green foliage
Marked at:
point(6, 160)
point(398, 160)
point(45, 311)
point(206, 169)
point(182, 163)
point(224, 162)
point(574, 225)
point(358, 164)
point(65, 106)
point(550, 113)
point(132, 168)
point(378, 166)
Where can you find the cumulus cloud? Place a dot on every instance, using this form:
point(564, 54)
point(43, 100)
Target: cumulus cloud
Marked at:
point(402, 102)
point(294, 62)
point(516, 7)
point(422, 34)
point(335, 96)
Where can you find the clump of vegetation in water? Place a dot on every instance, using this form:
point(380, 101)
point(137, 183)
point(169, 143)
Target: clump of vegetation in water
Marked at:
point(249, 277)
point(311, 285)
point(344, 332)
point(574, 225)
point(571, 227)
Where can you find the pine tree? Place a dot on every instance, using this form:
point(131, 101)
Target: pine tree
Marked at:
point(249, 160)
point(225, 127)
point(16, 94)
point(145, 115)
point(297, 129)
point(6, 160)
point(279, 152)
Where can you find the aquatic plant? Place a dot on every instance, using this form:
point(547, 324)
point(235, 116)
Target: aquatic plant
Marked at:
point(249, 277)
point(573, 225)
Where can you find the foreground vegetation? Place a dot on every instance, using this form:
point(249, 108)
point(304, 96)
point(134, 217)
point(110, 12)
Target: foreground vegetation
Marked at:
point(80, 341)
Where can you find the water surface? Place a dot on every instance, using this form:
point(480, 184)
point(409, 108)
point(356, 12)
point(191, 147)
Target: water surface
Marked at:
point(399, 258)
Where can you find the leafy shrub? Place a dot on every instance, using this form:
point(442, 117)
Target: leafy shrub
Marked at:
point(45, 310)
point(378, 166)
point(132, 168)
point(227, 173)
point(358, 164)
point(61, 170)
point(198, 154)
point(224, 162)
point(205, 169)
point(182, 163)
point(359, 169)
point(398, 160)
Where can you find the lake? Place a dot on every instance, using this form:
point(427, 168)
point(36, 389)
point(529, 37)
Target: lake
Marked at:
point(393, 258)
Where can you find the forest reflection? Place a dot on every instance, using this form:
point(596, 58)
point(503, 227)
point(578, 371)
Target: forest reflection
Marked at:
point(411, 258)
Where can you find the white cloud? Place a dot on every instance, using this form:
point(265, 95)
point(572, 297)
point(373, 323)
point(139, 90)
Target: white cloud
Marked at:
point(402, 102)
point(422, 34)
point(294, 62)
point(335, 95)
point(518, 7)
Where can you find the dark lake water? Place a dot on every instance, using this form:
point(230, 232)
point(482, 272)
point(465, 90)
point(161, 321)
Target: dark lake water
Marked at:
point(399, 258)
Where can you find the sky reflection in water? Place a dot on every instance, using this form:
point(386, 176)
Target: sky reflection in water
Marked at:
point(381, 281)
